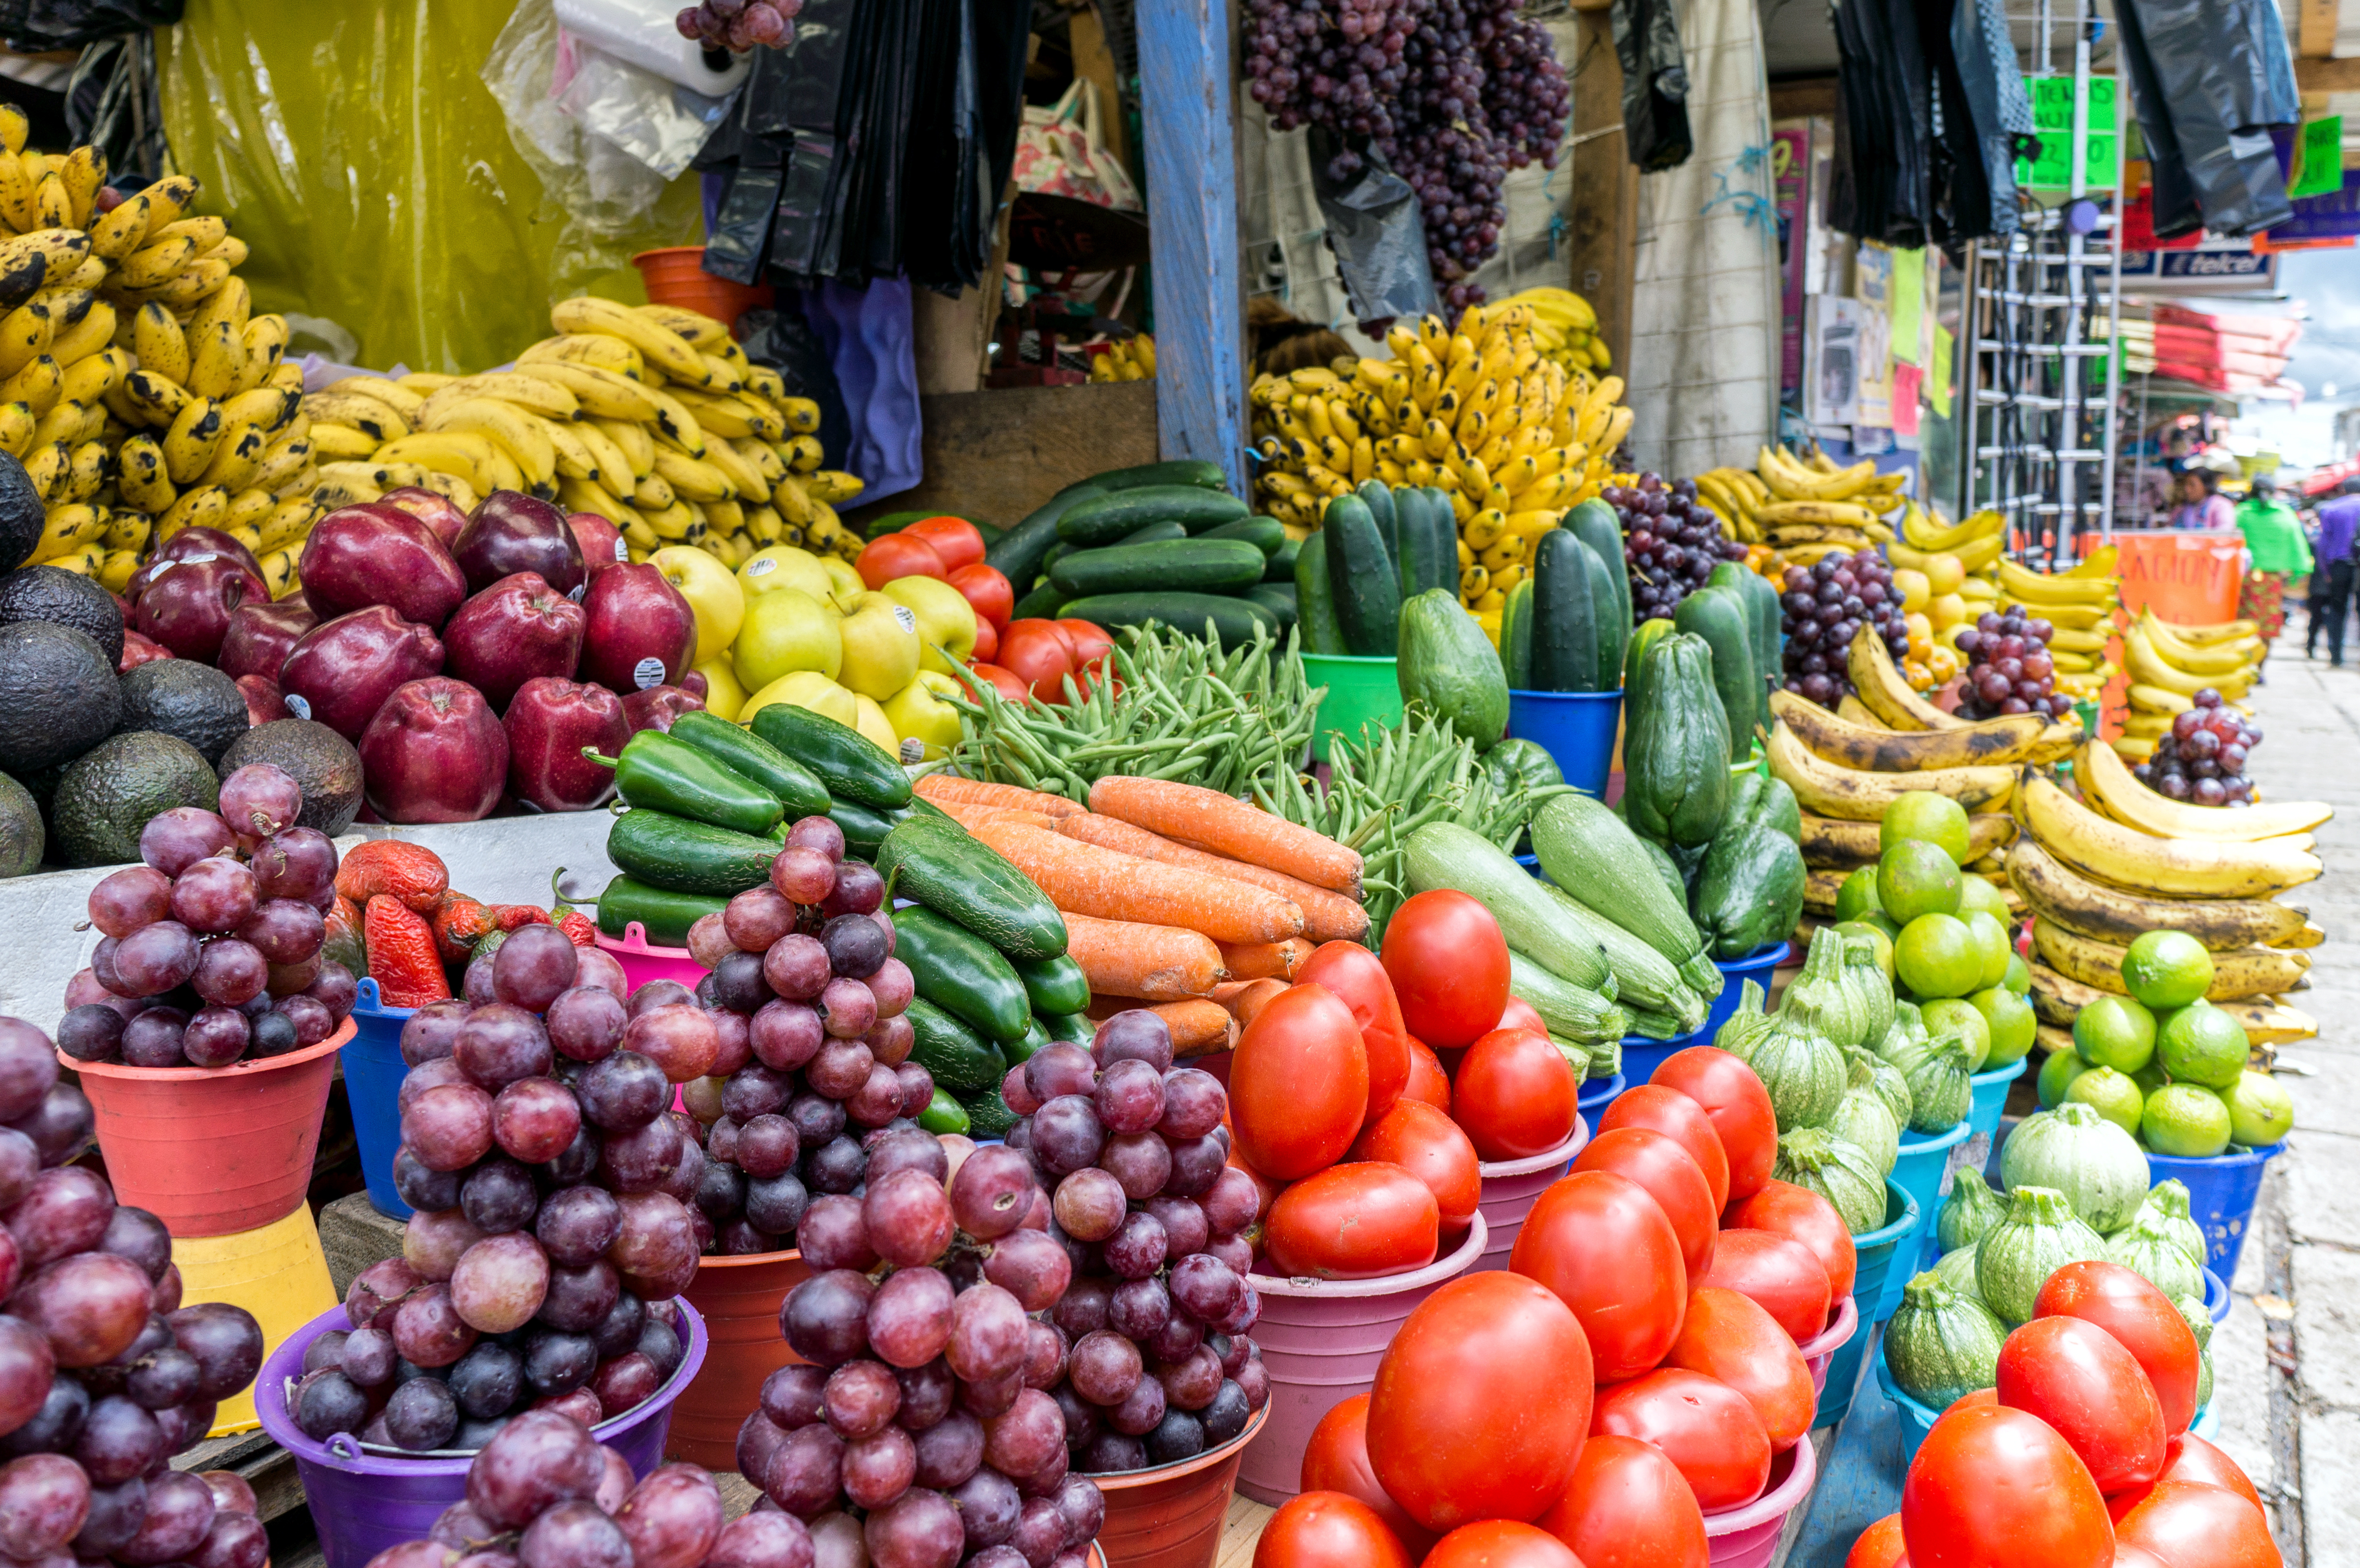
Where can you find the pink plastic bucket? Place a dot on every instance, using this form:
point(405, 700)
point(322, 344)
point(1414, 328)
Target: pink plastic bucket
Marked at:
point(642, 963)
point(1748, 1537)
point(1510, 1187)
point(1820, 1349)
point(1322, 1341)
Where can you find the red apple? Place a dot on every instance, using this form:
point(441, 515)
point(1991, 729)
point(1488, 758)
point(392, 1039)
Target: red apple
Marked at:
point(511, 533)
point(188, 545)
point(264, 700)
point(548, 724)
point(139, 650)
point(601, 540)
point(642, 631)
point(342, 672)
point(517, 630)
point(188, 604)
point(260, 635)
point(696, 685)
point(376, 554)
point(658, 706)
point(434, 753)
point(437, 511)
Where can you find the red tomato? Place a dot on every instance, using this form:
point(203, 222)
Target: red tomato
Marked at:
point(897, 555)
point(1879, 1546)
point(1515, 1095)
point(2129, 1556)
point(1997, 1488)
point(1328, 1530)
point(2139, 1315)
point(1810, 1219)
point(2079, 1378)
point(1036, 652)
point(1360, 981)
point(1974, 1399)
point(1501, 1543)
point(1521, 1014)
point(1449, 966)
point(1088, 640)
point(1778, 1274)
point(1481, 1403)
point(1353, 1222)
point(1704, 1426)
point(1428, 1145)
point(987, 641)
point(958, 542)
point(2188, 1526)
point(1739, 1108)
point(1007, 682)
point(1728, 1339)
point(988, 591)
point(1671, 1177)
point(1427, 1082)
point(1629, 1507)
point(1337, 1460)
point(1298, 1083)
point(1605, 1249)
point(2189, 1457)
point(1673, 1114)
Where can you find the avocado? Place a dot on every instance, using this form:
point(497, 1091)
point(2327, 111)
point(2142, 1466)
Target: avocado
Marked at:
point(322, 763)
point(22, 514)
point(58, 692)
point(66, 598)
point(22, 838)
point(109, 792)
point(180, 697)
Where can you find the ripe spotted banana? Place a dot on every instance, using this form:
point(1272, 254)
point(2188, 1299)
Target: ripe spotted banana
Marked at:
point(523, 437)
point(1833, 791)
point(601, 394)
point(528, 392)
point(2238, 975)
point(588, 351)
point(377, 421)
point(1870, 664)
point(1837, 844)
point(2111, 788)
point(660, 348)
point(2109, 852)
point(2150, 668)
point(2111, 914)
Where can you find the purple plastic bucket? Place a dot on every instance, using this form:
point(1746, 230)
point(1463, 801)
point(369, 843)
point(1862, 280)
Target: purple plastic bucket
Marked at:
point(1510, 1189)
point(373, 1073)
point(2221, 1193)
point(1597, 1094)
point(1322, 1341)
point(363, 1503)
point(1820, 1349)
point(1748, 1537)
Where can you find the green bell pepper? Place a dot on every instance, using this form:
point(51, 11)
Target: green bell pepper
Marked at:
point(659, 773)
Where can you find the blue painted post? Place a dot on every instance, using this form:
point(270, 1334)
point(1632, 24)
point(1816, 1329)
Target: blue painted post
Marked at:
point(1186, 90)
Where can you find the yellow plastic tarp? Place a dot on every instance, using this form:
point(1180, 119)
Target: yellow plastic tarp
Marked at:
point(356, 151)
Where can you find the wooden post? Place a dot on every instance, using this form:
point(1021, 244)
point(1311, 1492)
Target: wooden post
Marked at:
point(2315, 30)
point(1605, 185)
point(1186, 100)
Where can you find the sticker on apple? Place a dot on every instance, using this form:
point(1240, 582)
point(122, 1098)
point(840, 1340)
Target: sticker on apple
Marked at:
point(763, 567)
point(648, 671)
point(906, 618)
point(299, 704)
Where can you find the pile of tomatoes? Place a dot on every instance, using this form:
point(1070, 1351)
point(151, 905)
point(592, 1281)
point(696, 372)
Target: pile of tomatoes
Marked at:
point(1030, 657)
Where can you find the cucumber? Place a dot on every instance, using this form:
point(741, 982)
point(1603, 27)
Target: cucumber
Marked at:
point(1360, 578)
point(1379, 498)
point(987, 1115)
point(852, 766)
point(1153, 533)
point(865, 827)
point(1718, 615)
point(1076, 1029)
point(1595, 524)
point(1017, 553)
point(1425, 552)
point(1020, 1050)
point(961, 1060)
point(683, 855)
point(1193, 471)
point(1204, 566)
point(1315, 605)
point(1055, 984)
point(1610, 620)
point(1280, 565)
point(1234, 621)
point(1763, 617)
point(1517, 636)
point(944, 1116)
point(1267, 535)
point(960, 973)
point(945, 867)
point(1061, 549)
point(1565, 615)
point(1278, 598)
point(1104, 519)
point(1040, 604)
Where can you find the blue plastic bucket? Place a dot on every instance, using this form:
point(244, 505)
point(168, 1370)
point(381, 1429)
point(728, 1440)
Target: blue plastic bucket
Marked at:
point(2216, 1296)
point(1359, 692)
point(2221, 1193)
point(1597, 1095)
point(1923, 1159)
point(1756, 966)
point(373, 1073)
point(1641, 1056)
point(1991, 1097)
point(1576, 728)
point(1876, 1253)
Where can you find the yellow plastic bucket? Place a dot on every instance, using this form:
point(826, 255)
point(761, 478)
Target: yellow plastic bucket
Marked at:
point(279, 1273)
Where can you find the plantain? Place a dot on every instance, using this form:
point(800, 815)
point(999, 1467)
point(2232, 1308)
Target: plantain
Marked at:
point(1833, 791)
point(1840, 844)
point(2238, 975)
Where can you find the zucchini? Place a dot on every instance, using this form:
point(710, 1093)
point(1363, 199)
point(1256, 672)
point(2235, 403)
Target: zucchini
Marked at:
point(961, 1060)
point(1569, 1009)
point(943, 1115)
point(945, 867)
point(1360, 578)
point(1425, 545)
point(1565, 615)
point(1042, 602)
point(1590, 853)
point(1203, 566)
point(1315, 605)
point(1017, 553)
point(1718, 615)
point(1055, 984)
point(1267, 535)
point(1103, 519)
point(1193, 471)
point(1378, 497)
point(1281, 566)
point(1644, 978)
point(852, 766)
point(1517, 636)
point(1234, 621)
point(1278, 598)
point(960, 973)
point(685, 856)
point(1153, 533)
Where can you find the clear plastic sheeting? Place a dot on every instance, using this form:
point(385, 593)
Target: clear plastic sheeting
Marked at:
point(372, 173)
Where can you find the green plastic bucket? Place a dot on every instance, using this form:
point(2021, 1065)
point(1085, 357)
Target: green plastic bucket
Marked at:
point(1360, 691)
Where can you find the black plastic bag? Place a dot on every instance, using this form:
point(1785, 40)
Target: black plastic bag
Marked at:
point(783, 340)
point(1377, 231)
point(1655, 83)
point(2209, 78)
point(38, 26)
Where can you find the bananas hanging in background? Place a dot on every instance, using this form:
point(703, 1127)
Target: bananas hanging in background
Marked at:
point(1133, 360)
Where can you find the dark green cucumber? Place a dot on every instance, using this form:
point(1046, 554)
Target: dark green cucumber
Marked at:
point(685, 856)
point(944, 1116)
point(1379, 498)
point(1234, 621)
point(1017, 553)
point(664, 915)
point(1057, 552)
point(1278, 598)
point(946, 869)
point(1074, 1027)
point(1718, 615)
point(1188, 565)
point(1040, 604)
point(1281, 567)
point(852, 766)
point(1193, 471)
point(1020, 1050)
point(1103, 519)
point(1595, 524)
point(865, 827)
point(1267, 535)
point(961, 1060)
point(1610, 615)
point(987, 1116)
point(1763, 617)
point(1153, 533)
point(1565, 615)
point(1055, 984)
point(1517, 636)
point(1315, 605)
point(960, 973)
point(1360, 578)
point(1425, 544)
point(796, 787)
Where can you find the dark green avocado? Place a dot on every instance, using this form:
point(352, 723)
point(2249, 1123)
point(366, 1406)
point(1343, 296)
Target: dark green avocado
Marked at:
point(22, 837)
point(21, 512)
point(322, 763)
point(58, 694)
point(109, 792)
point(182, 698)
point(66, 598)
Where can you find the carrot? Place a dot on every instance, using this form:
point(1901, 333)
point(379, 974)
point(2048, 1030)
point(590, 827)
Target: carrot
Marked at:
point(1266, 960)
point(1156, 964)
point(1327, 915)
point(968, 816)
point(1198, 1025)
point(942, 790)
point(1247, 998)
point(1212, 821)
point(1087, 881)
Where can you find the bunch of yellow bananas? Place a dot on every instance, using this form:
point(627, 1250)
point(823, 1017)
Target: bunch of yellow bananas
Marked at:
point(2080, 604)
point(1564, 329)
point(1803, 508)
point(2169, 664)
point(1131, 361)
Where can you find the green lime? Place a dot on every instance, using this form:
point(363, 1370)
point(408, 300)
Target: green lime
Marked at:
point(1875, 934)
point(1916, 878)
point(1857, 895)
point(2185, 1120)
point(2115, 1032)
point(2202, 1044)
point(1975, 893)
point(2151, 1077)
point(1990, 936)
point(2020, 974)
point(2057, 1076)
point(1938, 956)
point(2111, 1095)
point(2167, 969)
point(2260, 1110)
point(1951, 1014)
point(2011, 1021)
point(1924, 817)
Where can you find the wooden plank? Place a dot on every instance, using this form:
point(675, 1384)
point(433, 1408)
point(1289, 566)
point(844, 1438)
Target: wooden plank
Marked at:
point(262, 1464)
point(994, 456)
point(1803, 97)
point(2327, 76)
point(2315, 28)
point(1605, 186)
point(1241, 1532)
point(1186, 90)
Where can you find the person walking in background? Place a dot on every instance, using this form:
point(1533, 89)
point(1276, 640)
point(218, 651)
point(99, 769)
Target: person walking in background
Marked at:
point(2275, 552)
point(2330, 592)
point(2201, 504)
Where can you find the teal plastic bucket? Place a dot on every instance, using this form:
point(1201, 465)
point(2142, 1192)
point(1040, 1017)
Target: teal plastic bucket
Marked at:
point(1876, 1253)
point(1991, 1097)
point(1917, 1420)
point(1576, 728)
point(1359, 692)
point(1596, 1096)
point(1924, 1157)
point(2221, 1193)
point(373, 1073)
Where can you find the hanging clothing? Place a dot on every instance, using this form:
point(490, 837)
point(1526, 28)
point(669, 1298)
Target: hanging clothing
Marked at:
point(2209, 79)
point(1929, 104)
point(1655, 130)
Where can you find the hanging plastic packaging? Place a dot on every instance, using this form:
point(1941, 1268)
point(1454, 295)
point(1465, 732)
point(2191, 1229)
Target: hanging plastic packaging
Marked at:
point(1377, 231)
point(1655, 83)
point(38, 26)
point(2209, 79)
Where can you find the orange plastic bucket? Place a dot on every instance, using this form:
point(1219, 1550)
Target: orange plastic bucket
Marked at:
point(1170, 1516)
point(2188, 578)
point(213, 1151)
point(739, 1300)
point(676, 275)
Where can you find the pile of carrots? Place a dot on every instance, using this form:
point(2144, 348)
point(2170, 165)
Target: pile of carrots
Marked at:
point(1178, 897)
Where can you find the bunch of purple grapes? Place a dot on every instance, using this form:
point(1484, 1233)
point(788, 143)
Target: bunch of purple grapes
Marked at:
point(2203, 760)
point(1823, 606)
point(2008, 667)
point(544, 1494)
point(1671, 542)
point(210, 950)
point(740, 25)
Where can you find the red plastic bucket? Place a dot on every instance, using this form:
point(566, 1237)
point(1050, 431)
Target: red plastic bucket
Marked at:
point(1171, 1516)
point(1510, 1187)
point(739, 1300)
point(1748, 1537)
point(213, 1151)
point(676, 275)
point(642, 960)
point(1820, 1349)
point(1322, 1341)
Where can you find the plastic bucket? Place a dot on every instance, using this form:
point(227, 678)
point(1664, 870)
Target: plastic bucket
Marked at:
point(2221, 1193)
point(1170, 1516)
point(213, 1151)
point(1576, 728)
point(279, 1273)
point(1641, 1056)
point(1322, 1341)
point(1756, 966)
point(363, 1503)
point(2216, 1296)
point(1924, 1157)
point(1877, 1252)
point(1991, 1097)
point(1360, 691)
point(643, 962)
point(738, 1297)
point(1821, 1347)
point(373, 1073)
point(1597, 1094)
point(1511, 1186)
point(1748, 1537)
point(676, 275)
point(1916, 1420)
